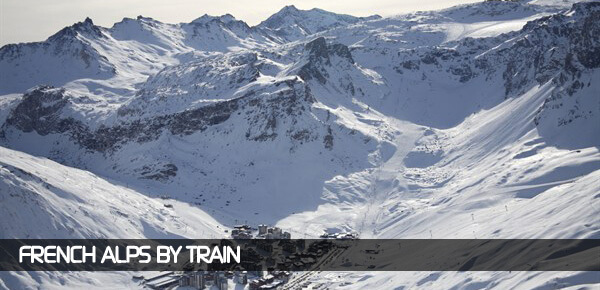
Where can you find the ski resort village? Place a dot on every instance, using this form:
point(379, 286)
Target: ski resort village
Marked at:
point(262, 240)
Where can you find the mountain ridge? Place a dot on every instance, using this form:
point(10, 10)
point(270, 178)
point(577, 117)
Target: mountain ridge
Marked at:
point(480, 120)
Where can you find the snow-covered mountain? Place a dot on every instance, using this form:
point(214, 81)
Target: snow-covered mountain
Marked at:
point(477, 121)
point(292, 23)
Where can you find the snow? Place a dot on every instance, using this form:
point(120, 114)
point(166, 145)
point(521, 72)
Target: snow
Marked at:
point(399, 127)
point(72, 203)
point(293, 24)
point(457, 31)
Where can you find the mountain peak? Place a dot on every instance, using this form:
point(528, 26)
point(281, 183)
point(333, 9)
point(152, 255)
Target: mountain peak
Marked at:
point(144, 18)
point(85, 27)
point(294, 23)
point(289, 8)
point(226, 18)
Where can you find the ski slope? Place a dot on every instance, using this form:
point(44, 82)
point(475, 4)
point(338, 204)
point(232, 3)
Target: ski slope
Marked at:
point(477, 121)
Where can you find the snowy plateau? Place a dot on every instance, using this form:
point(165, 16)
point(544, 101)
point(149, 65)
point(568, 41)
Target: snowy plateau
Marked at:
point(476, 121)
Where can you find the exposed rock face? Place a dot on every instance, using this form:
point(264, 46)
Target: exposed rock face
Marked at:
point(554, 44)
point(271, 93)
point(41, 111)
point(394, 127)
point(158, 172)
point(319, 56)
point(535, 53)
point(559, 48)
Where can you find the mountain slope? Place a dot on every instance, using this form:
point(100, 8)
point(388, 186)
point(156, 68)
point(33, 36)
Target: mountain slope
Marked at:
point(64, 56)
point(71, 203)
point(325, 105)
point(478, 121)
point(292, 23)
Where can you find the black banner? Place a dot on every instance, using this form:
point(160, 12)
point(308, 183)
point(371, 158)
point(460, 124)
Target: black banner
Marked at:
point(302, 255)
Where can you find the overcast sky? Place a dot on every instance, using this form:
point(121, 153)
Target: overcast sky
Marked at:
point(35, 20)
